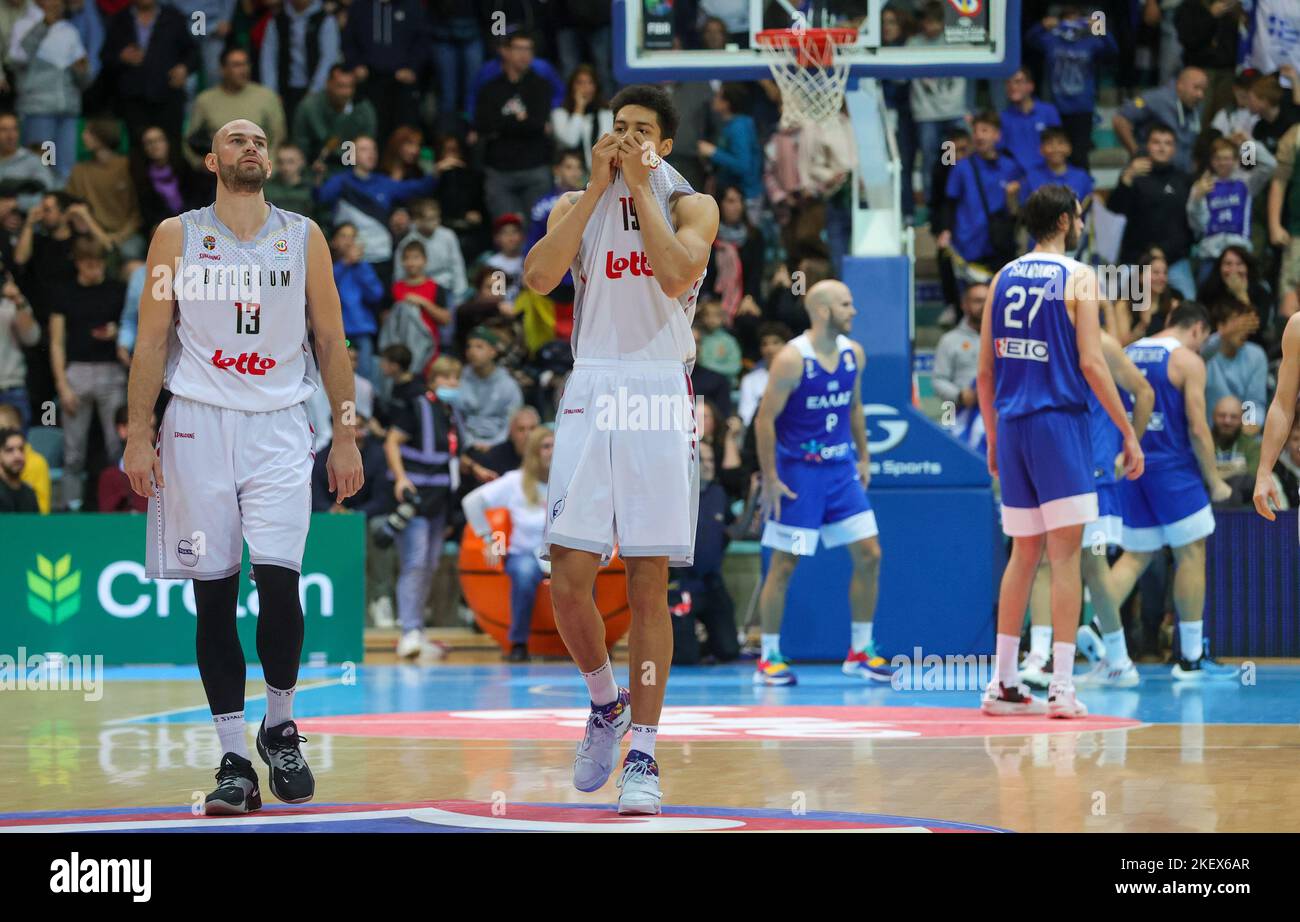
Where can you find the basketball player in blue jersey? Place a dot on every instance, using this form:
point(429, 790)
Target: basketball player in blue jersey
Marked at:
point(1278, 423)
point(812, 447)
point(1113, 668)
point(1170, 505)
point(1040, 352)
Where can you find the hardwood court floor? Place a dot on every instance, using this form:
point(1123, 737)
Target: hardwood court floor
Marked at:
point(405, 747)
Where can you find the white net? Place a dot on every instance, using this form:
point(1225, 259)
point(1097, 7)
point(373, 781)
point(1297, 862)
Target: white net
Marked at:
point(810, 71)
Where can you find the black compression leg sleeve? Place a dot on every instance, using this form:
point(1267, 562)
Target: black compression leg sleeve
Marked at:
point(279, 625)
point(216, 642)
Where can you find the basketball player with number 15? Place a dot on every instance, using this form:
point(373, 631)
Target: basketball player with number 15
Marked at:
point(223, 325)
point(637, 240)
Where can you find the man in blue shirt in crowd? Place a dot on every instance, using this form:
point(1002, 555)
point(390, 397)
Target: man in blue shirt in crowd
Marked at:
point(1073, 54)
point(737, 158)
point(1024, 120)
point(998, 178)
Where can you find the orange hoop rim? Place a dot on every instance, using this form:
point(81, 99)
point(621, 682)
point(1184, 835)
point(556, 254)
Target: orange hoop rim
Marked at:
point(811, 47)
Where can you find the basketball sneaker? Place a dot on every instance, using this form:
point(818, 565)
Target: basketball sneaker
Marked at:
point(1089, 643)
point(236, 791)
point(1204, 668)
point(1035, 671)
point(1011, 701)
point(598, 751)
point(1062, 702)
point(290, 778)
point(1104, 675)
point(867, 665)
point(639, 786)
point(774, 671)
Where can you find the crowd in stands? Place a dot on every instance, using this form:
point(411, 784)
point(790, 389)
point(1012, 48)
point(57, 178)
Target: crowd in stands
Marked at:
point(431, 143)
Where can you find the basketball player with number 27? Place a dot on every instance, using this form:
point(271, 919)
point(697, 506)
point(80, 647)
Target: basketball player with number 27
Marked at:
point(637, 240)
point(223, 325)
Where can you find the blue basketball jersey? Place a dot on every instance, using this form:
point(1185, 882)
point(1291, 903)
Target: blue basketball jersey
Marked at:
point(1107, 441)
point(1036, 355)
point(1165, 443)
point(814, 425)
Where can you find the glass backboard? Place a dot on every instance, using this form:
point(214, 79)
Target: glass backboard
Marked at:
point(657, 40)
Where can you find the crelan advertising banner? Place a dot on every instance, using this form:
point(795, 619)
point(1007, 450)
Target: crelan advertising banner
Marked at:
point(76, 584)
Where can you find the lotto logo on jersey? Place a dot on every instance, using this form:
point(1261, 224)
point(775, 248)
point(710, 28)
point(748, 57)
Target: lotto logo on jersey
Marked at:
point(1012, 347)
point(636, 263)
point(245, 363)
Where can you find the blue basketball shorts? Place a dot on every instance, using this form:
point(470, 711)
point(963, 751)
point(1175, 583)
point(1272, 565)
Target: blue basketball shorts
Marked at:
point(1045, 468)
point(1166, 507)
point(830, 507)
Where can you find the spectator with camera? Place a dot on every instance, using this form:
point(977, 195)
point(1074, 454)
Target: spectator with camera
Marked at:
point(522, 492)
point(420, 449)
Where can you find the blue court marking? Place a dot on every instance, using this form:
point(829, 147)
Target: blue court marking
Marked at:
point(396, 689)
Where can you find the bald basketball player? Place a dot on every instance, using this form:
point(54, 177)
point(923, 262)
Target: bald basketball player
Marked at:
point(812, 447)
point(223, 326)
point(637, 240)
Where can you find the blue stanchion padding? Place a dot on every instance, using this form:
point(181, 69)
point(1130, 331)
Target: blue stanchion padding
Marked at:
point(942, 559)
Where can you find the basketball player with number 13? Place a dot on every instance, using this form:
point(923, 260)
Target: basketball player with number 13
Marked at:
point(637, 240)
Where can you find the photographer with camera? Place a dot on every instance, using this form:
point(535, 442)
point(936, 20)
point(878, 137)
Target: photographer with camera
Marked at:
point(421, 449)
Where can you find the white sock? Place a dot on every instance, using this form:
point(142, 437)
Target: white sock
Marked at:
point(1063, 662)
point(231, 733)
point(1040, 641)
point(1189, 639)
point(771, 645)
point(861, 635)
point(1116, 647)
point(1008, 657)
point(279, 706)
point(643, 739)
point(601, 685)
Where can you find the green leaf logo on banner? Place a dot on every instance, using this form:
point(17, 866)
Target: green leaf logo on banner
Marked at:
point(54, 590)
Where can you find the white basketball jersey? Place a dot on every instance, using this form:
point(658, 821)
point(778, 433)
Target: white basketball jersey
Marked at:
point(619, 310)
point(240, 334)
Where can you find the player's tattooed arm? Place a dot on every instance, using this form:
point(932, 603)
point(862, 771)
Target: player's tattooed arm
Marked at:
point(1281, 415)
point(985, 382)
point(858, 419)
point(157, 304)
point(782, 379)
point(1128, 377)
point(343, 467)
point(678, 257)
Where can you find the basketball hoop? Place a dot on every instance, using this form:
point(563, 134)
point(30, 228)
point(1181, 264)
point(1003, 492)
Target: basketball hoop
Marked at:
point(809, 68)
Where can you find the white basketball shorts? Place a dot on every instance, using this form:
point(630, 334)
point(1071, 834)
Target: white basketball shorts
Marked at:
point(229, 476)
point(625, 470)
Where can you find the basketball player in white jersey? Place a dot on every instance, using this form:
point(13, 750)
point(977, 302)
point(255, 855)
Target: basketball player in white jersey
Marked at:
point(625, 469)
point(223, 326)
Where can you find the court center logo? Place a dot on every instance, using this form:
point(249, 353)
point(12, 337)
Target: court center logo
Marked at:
point(53, 590)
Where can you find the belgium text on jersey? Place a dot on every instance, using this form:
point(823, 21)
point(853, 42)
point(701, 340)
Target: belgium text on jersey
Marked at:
point(228, 282)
